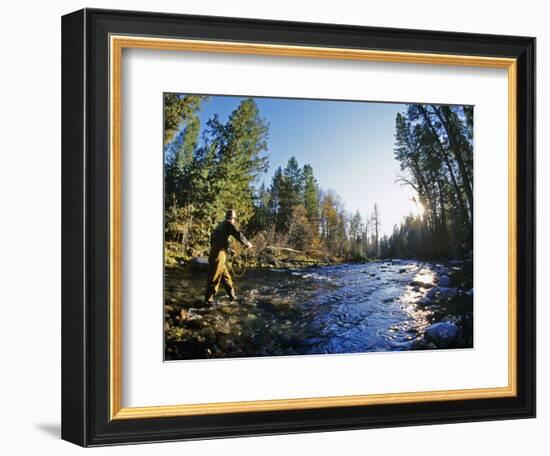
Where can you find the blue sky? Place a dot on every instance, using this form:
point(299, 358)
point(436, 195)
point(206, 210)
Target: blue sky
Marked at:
point(349, 144)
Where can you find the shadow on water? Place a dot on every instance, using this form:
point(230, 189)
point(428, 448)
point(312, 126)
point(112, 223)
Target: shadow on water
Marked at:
point(347, 308)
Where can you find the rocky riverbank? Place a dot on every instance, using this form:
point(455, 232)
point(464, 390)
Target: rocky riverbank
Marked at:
point(450, 299)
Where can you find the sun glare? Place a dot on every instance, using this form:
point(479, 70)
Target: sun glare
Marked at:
point(417, 208)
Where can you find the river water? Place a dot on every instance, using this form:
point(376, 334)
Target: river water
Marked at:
point(347, 308)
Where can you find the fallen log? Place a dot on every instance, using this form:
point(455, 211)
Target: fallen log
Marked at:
point(282, 249)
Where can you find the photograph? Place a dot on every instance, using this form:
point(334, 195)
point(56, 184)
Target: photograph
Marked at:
point(315, 227)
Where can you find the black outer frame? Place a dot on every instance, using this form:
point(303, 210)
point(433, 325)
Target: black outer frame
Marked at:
point(85, 227)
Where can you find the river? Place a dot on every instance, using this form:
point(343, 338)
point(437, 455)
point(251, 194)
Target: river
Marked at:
point(345, 308)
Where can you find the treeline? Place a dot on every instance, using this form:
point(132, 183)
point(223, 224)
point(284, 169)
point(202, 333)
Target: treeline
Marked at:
point(218, 166)
point(434, 144)
point(207, 172)
point(294, 211)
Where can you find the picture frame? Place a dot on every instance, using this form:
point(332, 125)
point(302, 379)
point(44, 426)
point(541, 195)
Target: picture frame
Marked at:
point(92, 45)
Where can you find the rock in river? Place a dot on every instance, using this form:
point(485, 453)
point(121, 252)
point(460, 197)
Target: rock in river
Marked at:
point(447, 293)
point(444, 281)
point(442, 334)
point(432, 293)
point(199, 264)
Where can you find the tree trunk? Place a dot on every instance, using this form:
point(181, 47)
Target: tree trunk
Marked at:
point(443, 224)
point(444, 117)
point(445, 158)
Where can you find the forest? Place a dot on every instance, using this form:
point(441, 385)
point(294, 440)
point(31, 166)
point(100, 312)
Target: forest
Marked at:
point(212, 167)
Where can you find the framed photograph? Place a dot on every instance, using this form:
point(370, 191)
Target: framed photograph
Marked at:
point(279, 227)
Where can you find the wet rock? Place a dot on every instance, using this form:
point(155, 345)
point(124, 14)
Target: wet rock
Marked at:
point(280, 303)
point(442, 334)
point(199, 264)
point(191, 319)
point(402, 270)
point(223, 328)
point(432, 293)
point(447, 293)
point(419, 283)
point(444, 281)
point(171, 311)
point(229, 310)
point(425, 302)
point(208, 333)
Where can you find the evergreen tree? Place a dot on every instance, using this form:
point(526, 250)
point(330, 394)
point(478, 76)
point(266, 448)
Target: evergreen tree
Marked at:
point(291, 192)
point(177, 110)
point(356, 231)
point(311, 196)
point(188, 144)
point(276, 195)
point(236, 147)
point(262, 218)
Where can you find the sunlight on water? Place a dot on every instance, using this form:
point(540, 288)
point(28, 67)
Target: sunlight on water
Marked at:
point(312, 275)
point(419, 316)
point(425, 276)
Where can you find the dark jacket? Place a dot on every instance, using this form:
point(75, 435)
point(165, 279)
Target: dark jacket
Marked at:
point(219, 239)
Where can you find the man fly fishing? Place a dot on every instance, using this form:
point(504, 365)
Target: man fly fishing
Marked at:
point(219, 246)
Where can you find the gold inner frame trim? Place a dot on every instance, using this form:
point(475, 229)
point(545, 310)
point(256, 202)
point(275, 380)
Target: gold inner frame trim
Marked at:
point(117, 44)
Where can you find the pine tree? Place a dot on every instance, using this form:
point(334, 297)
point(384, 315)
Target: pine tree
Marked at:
point(291, 192)
point(356, 235)
point(177, 110)
point(311, 196)
point(237, 146)
point(275, 197)
point(262, 218)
